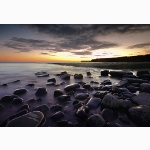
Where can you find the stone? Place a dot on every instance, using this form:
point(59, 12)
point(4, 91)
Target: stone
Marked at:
point(104, 73)
point(63, 98)
point(100, 94)
point(43, 75)
point(17, 101)
point(15, 81)
point(81, 90)
point(94, 82)
point(123, 83)
point(77, 104)
point(5, 84)
point(132, 80)
point(43, 108)
point(32, 119)
point(88, 73)
point(96, 120)
point(30, 84)
point(26, 106)
point(86, 86)
point(141, 72)
point(144, 76)
point(62, 123)
point(82, 96)
point(41, 91)
point(20, 91)
point(141, 115)
point(82, 112)
point(58, 92)
point(56, 108)
point(110, 101)
point(1, 107)
point(93, 103)
point(126, 104)
point(58, 115)
point(8, 98)
point(106, 88)
point(136, 84)
point(71, 87)
point(131, 89)
point(145, 87)
point(65, 76)
point(106, 82)
point(107, 114)
point(50, 83)
point(51, 80)
point(119, 73)
point(129, 76)
point(78, 76)
point(141, 99)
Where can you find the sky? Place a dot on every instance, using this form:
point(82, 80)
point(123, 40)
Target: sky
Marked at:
point(72, 42)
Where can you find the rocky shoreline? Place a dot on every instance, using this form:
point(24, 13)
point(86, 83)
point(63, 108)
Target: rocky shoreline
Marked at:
point(93, 104)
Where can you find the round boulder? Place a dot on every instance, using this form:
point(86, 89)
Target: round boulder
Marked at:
point(41, 91)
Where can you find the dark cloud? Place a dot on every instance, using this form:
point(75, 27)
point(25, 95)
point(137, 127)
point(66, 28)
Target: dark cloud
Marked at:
point(82, 53)
point(44, 53)
point(143, 45)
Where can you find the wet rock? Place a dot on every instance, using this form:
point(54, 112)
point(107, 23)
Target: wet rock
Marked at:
point(4, 84)
point(100, 94)
point(1, 107)
point(125, 120)
point(129, 76)
point(94, 82)
point(144, 76)
point(132, 80)
point(26, 106)
point(39, 99)
point(51, 80)
point(50, 83)
point(136, 84)
point(123, 83)
point(128, 94)
point(81, 90)
point(70, 93)
point(58, 92)
point(32, 100)
point(40, 73)
point(8, 98)
point(63, 98)
point(78, 76)
point(43, 108)
point(96, 120)
point(126, 104)
point(107, 114)
point(58, 115)
point(119, 73)
point(106, 82)
point(43, 75)
point(20, 91)
point(56, 108)
point(131, 89)
point(32, 119)
point(121, 90)
point(77, 104)
point(141, 72)
point(41, 91)
point(71, 87)
point(63, 72)
point(93, 103)
point(106, 88)
point(82, 112)
point(110, 101)
point(88, 73)
point(142, 99)
point(65, 76)
point(113, 124)
point(17, 100)
point(141, 115)
point(82, 96)
point(145, 87)
point(62, 83)
point(87, 86)
point(30, 84)
point(104, 73)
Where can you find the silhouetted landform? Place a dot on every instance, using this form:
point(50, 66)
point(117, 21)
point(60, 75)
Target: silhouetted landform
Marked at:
point(139, 58)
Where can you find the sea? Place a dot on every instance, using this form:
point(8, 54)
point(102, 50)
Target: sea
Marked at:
point(25, 72)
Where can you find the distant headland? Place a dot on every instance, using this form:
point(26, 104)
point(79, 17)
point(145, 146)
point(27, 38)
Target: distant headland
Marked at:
point(139, 58)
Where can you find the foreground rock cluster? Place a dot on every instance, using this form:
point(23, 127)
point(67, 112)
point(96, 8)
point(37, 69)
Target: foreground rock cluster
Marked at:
point(126, 104)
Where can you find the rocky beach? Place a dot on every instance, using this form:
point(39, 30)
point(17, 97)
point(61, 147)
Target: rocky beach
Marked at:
point(52, 95)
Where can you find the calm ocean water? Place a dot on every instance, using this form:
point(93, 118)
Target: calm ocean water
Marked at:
point(25, 72)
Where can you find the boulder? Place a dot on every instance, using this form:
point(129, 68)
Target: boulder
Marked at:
point(51, 80)
point(26, 106)
point(119, 73)
point(107, 114)
point(82, 112)
point(86, 86)
point(141, 99)
point(93, 103)
point(20, 91)
point(145, 87)
point(106, 82)
point(32, 119)
point(8, 98)
point(71, 87)
point(56, 108)
point(63, 98)
point(88, 73)
point(58, 115)
point(43, 108)
point(17, 100)
point(141, 115)
point(30, 84)
point(50, 83)
point(41, 91)
point(104, 73)
point(82, 96)
point(110, 101)
point(65, 76)
point(126, 104)
point(100, 94)
point(58, 92)
point(81, 90)
point(96, 120)
point(78, 76)
point(141, 72)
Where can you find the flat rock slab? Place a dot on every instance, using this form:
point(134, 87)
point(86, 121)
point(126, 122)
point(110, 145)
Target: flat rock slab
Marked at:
point(142, 99)
point(32, 119)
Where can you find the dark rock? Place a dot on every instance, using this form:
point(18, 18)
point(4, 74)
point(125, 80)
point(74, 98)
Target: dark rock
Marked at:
point(64, 98)
point(132, 80)
point(39, 99)
point(143, 76)
point(96, 120)
point(62, 83)
point(94, 82)
point(100, 94)
point(56, 108)
point(106, 88)
point(26, 106)
point(113, 124)
point(93, 103)
point(17, 101)
point(145, 87)
point(50, 83)
point(65, 76)
point(126, 104)
point(58, 92)
point(71, 87)
point(15, 81)
point(110, 101)
point(70, 93)
point(1, 107)
point(107, 114)
point(43, 75)
point(77, 104)
point(82, 112)
point(121, 90)
point(32, 100)
point(63, 72)
point(141, 115)
point(131, 89)
point(51, 80)
point(125, 120)
point(20, 91)
point(62, 123)
point(43, 108)
point(141, 72)
point(82, 96)
point(20, 113)
point(8, 98)
point(58, 115)
point(142, 99)
point(81, 90)
point(88, 73)
point(104, 73)
point(86, 86)
point(78, 76)
point(123, 83)
point(41, 91)
point(136, 84)
point(4, 84)
point(32, 119)
point(119, 73)
point(106, 82)
point(30, 84)
point(129, 76)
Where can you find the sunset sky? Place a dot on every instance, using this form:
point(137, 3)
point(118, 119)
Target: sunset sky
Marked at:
point(71, 43)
